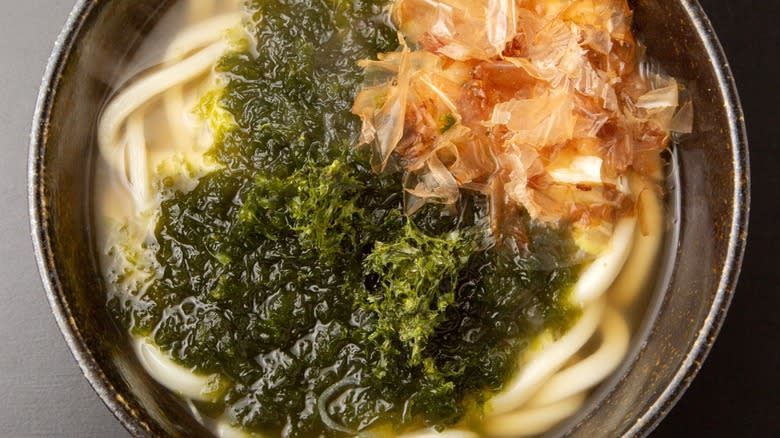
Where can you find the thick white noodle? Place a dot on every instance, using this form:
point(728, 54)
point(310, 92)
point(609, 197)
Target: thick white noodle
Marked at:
point(591, 286)
point(547, 361)
point(200, 35)
point(194, 411)
point(225, 430)
point(170, 374)
point(173, 100)
point(591, 370)
point(639, 267)
point(200, 10)
point(145, 89)
point(601, 273)
point(432, 433)
point(205, 31)
point(137, 164)
point(534, 421)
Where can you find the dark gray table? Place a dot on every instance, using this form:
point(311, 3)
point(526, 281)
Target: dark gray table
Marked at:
point(42, 392)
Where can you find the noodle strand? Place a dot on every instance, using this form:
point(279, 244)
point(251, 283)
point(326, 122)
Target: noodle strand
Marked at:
point(137, 171)
point(533, 421)
point(601, 273)
point(593, 369)
point(199, 35)
point(548, 361)
point(146, 88)
point(639, 266)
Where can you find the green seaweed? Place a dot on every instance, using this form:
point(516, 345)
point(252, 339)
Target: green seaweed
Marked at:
point(291, 271)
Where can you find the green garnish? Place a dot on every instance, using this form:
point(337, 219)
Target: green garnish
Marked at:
point(446, 122)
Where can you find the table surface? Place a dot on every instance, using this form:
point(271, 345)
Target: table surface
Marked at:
point(42, 392)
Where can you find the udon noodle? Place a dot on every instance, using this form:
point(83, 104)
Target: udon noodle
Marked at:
point(151, 145)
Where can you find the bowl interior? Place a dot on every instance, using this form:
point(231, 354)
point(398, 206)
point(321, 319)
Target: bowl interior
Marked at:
point(712, 220)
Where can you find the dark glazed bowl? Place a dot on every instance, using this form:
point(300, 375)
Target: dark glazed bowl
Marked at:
point(673, 341)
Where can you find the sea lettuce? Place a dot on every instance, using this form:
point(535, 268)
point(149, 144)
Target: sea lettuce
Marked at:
point(417, 275)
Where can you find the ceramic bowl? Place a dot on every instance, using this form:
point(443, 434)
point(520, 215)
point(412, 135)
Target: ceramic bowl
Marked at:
point(678, 330)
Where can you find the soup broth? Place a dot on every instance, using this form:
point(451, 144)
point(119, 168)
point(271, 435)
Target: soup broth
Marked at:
point(296, 252)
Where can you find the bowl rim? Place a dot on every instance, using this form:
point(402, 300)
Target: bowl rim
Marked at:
point(702, 345)
point(42, 244)
point(137, 426)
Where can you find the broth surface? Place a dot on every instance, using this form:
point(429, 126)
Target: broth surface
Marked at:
point(267, 257)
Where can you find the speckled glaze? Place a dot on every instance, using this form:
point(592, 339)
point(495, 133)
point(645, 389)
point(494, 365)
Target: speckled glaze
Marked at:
point(677, 333)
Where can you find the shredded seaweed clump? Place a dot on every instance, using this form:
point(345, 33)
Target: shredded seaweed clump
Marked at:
point(417, 275)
